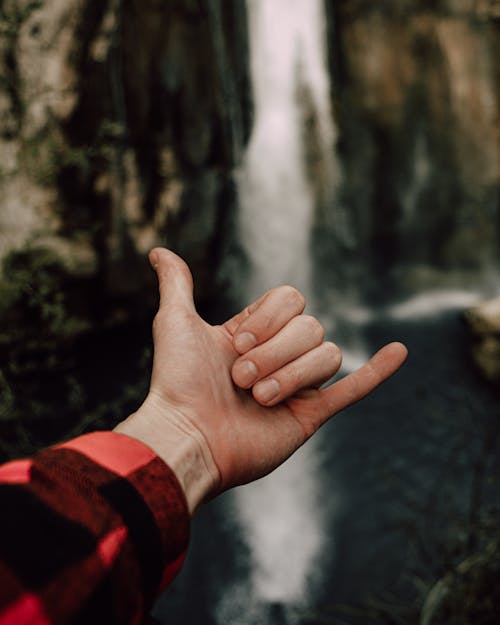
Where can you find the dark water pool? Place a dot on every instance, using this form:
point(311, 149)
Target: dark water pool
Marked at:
point(385, 488)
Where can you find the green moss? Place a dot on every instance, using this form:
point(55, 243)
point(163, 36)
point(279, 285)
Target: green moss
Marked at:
point(64, 368)
point(33, 302)
point(47, 155)
point(14, 14)
point(470, 593)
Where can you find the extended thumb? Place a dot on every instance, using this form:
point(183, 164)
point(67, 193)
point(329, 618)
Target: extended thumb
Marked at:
point(174, 278)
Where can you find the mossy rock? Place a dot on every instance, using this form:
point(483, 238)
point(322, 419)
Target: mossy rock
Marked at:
point(468, 595)
point(63, 369)
point(34, 305)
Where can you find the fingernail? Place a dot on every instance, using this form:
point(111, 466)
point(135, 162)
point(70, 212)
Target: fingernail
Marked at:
point(246, 372)
point(267, 390)
point(153, 257)
point(244, 342)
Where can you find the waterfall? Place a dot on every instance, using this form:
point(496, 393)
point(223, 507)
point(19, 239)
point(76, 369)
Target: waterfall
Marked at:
point(281, 516)
point(277, 200)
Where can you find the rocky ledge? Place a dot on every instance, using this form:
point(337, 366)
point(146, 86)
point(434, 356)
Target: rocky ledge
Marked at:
point(484, 324)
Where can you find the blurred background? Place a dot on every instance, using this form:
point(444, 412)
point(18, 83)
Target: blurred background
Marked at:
point(351, 148)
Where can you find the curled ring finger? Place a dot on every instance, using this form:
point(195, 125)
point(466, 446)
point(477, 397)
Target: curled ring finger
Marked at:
point(300, 335)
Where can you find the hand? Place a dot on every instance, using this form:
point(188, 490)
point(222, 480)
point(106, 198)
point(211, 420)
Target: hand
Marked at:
point(229, 403)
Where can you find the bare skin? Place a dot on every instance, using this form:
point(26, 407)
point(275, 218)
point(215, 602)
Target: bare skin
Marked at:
point(230, 403)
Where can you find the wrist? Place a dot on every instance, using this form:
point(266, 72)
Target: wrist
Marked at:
point(178, 443)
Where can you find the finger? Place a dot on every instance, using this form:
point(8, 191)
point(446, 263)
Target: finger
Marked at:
point(309, 370)
point(312, 408)
point(269, 314)
point(174, 278)
point(231, 325)
point(300, 335)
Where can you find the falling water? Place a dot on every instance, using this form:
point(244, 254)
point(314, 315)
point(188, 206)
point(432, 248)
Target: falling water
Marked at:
point(281, 516)
point(276, 198)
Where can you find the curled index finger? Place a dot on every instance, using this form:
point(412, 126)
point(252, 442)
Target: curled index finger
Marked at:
point(271, 313)
point(232, 324)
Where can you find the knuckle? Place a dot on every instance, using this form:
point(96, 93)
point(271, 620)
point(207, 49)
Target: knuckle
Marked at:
point(293, 296)
point(313, 327)
point(294, 377)
point(266, 324)
point(251, 308)
point(156, 323)
point(289, 379)
point(333, 351)
point(353, 390)
point(160, 324)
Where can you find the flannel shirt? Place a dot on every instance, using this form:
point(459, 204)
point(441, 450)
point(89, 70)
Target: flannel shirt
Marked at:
point(90, 532)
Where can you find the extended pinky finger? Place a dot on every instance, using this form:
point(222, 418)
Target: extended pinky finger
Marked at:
point(308, 371)
point(313, 408)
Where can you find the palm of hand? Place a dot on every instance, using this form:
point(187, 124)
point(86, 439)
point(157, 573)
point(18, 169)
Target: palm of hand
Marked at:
point(247, 440)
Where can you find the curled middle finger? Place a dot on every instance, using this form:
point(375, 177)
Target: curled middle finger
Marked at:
point(263, 319)
point(298, 336)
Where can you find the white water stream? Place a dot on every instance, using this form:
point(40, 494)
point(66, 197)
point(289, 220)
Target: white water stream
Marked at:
point(287, 46)
point(282, 516)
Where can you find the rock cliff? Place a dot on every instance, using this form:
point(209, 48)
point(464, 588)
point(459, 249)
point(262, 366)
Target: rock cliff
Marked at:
point(121, 123)
point(417, 92)
point(484, 325)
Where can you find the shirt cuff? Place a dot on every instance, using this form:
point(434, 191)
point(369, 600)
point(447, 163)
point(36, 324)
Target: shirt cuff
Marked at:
point(153, 480)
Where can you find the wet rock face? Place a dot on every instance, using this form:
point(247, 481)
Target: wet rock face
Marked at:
point(121, 123)
point(484, 324)
point(416, 89)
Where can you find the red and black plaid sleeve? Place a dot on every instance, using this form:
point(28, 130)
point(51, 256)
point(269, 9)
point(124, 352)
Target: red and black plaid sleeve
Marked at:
point(90, 531)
